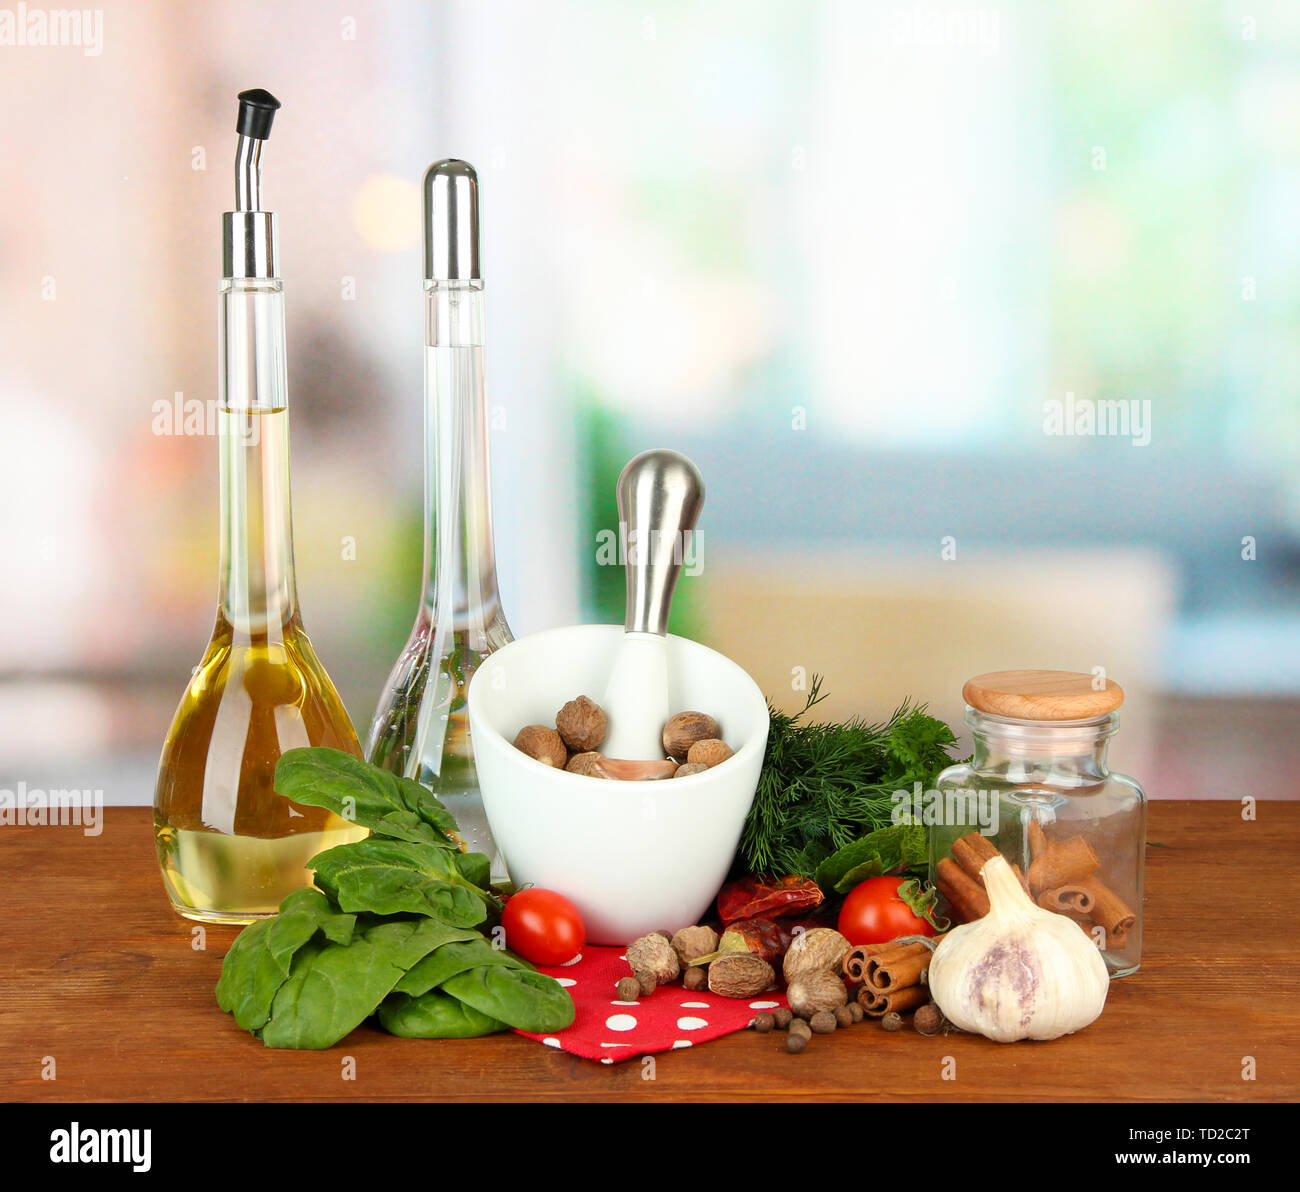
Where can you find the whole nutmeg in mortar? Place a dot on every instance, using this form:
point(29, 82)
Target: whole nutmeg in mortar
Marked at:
point(582, 724)
point(542, 744)
point(820, 948)
point(814, 992)
point(708, 753)
point(684, 729)
point(581, 763)
point(693, 942)
point(740, 974)
point(688, 769)
point(653, 954)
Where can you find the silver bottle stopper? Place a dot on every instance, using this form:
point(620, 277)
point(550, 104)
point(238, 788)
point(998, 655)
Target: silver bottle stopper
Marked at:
point(660, 495)
point(248, 234)
point(451, 222)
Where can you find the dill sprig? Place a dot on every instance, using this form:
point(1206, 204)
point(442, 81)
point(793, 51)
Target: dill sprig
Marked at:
point(824, 785)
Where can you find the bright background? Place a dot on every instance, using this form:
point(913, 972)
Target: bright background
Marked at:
point(841, 253)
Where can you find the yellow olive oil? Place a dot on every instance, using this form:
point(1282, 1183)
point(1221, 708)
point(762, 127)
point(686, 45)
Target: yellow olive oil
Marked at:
point(230, 847)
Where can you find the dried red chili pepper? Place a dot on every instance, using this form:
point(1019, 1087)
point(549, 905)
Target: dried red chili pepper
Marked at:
point(755, 897)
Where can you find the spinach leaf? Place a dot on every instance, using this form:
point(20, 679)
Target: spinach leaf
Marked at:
point(333, 988)
point(366, 795)
point(475, 868)
point(451, 959)
point(434, 1016)
point(258, 962)
point(526, 1000)
point(389, 877)
point(899, 846)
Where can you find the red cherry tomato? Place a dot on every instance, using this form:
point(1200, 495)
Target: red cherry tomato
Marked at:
point(873, 913)
point(543, 927)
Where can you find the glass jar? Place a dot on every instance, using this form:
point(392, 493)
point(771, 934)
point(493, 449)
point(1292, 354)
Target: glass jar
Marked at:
point(1038, 790)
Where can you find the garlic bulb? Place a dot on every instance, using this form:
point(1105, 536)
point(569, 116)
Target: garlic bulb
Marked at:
point(1020, 972)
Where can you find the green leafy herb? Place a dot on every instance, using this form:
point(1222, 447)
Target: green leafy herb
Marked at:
point(452, 959)
point(259, 960)
point(528, 1000)
point(435, 1016)
point(390, 931)
point(824, 786)
point(366, 795)
point(391, 877)
point(334, 988)
point(899, 846)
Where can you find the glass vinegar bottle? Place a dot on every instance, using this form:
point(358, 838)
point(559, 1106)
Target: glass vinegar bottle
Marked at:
point(421, 726)
point(230, 847)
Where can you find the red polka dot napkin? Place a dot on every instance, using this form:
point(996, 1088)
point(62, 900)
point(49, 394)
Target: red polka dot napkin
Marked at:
point(608, 1030)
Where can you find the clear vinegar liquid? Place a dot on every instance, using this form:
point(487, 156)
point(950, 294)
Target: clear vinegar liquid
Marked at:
point(421, 726)
point(231, 848)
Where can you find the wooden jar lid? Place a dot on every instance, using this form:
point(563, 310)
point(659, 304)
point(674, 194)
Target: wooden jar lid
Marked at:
point(1041, 695)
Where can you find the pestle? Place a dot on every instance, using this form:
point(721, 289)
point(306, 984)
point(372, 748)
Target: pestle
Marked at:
point(660, 494)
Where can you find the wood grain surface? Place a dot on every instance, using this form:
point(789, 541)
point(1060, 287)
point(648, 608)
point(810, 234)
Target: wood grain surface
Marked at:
point(101, 980)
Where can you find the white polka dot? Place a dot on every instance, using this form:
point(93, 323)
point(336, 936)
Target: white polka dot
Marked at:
point(763, 1005)
point(695, 1005)
point(607, 1060)
point(621, 1022)
point(616, 1002)
point(690, 1024)
point(551, 1041)
point(677, 1046)
point(571, 981)
point(571, 963)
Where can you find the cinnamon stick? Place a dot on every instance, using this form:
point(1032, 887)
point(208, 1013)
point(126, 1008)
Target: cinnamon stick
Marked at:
point(965, 895)
point(1109, 910)
point(973, 850)
point(1062, 863)
point(1037, 840)
point(876, 1004)
point(899, 967)
point(1071, 900)
point(855, 962)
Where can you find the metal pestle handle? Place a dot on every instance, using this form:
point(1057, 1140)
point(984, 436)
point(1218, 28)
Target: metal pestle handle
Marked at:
point(660, 495)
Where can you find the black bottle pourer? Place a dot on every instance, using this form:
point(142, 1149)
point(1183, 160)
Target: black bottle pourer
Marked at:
point(257, 109)
point(248, 233)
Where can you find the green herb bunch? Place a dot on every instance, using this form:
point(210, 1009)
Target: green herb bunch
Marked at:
point(825, 786)
point(391, 931)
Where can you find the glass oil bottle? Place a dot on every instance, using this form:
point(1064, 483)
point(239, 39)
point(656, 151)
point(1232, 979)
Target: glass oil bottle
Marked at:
point(421, 727)
point(230, 847)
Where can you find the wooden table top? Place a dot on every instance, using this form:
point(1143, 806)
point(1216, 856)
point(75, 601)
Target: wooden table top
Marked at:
point(100, 975)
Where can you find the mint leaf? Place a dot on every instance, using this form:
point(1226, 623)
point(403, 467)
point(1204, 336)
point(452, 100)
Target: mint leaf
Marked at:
point(899, 846)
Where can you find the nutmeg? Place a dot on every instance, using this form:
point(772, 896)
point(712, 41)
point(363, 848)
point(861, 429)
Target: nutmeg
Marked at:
point(819, 948)
point(693, 942)
point(814, 992)
point(542, 744)
point(654, 955)
point(740, 974)
point(581, 763)
point(710, 753)
point(581, 724)
point(684, 729)
point(685, 771)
